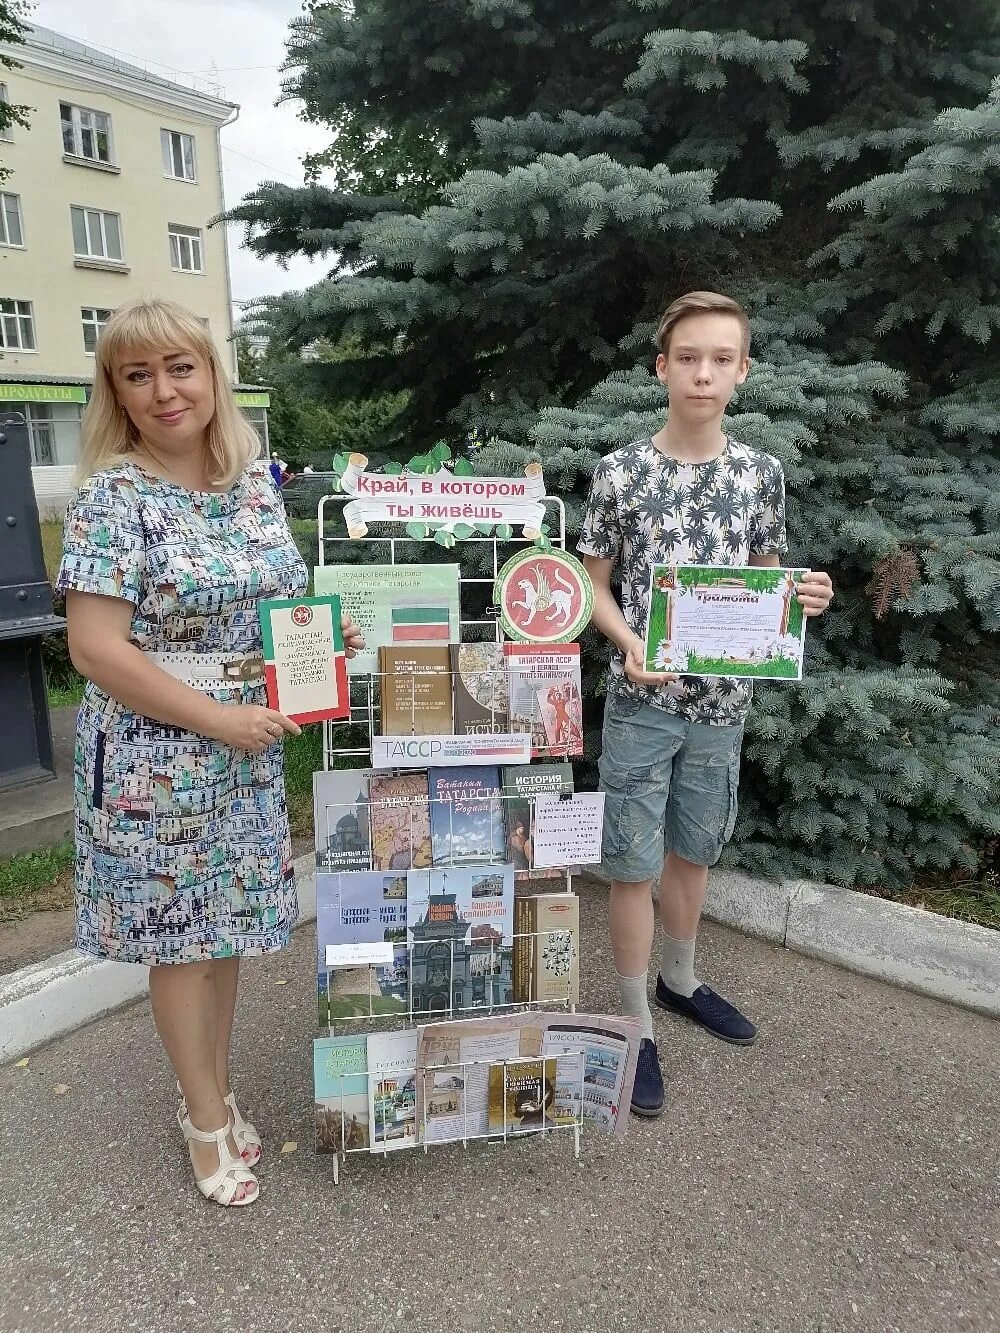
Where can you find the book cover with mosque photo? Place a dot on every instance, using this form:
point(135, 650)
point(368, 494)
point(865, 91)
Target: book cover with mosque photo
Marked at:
point(340, 819)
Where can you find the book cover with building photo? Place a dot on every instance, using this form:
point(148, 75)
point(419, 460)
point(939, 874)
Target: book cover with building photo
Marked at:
point(522, 1096)
point(459, 923)
point(340, 1082)
point(521, 784)
point(467, 823)
point(362, 992)
point(479, 676)
point(544, 685)
point(340, 819)
point(399, 815)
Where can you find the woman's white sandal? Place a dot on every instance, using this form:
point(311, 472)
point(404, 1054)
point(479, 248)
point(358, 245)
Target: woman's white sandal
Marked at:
point(247, 1139)
point(223, 1184)
point(246, 1136)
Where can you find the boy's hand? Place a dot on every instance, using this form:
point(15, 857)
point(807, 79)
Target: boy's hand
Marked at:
point(815, 592)
point(635, 667)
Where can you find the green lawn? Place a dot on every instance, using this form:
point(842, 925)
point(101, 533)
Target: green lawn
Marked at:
point(52, 546)
point(37, 882)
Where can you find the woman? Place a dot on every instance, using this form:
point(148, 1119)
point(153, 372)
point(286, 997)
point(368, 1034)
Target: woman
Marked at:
point(183, 855)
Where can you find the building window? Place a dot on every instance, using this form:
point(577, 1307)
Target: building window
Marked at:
point(11, 232)
point(257, 416)
point(86, 133)
point(94, 319)
point(5, 134)
point(178, 155)
point(96, 235)
point(185, 248)
point(53, 433)
point(17, 325)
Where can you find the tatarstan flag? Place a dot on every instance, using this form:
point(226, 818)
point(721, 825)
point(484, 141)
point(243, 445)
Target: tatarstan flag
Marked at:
point(414, 624)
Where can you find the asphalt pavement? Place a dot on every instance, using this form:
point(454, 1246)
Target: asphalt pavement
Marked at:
point(841, 1176)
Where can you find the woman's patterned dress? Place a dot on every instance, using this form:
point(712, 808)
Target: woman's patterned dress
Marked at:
point(182, 843)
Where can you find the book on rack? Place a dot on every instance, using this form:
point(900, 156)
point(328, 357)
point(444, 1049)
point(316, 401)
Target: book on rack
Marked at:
point(522, 1095)
point(543, 682)
point(340, 1081)
point(521, 784)
point(479, 677)
point(460, 927)
point(368, 992)
point(359, 907)
point(467, 824)
point(546, 948)
point(340, 819)
point(400, 820)
point(469, 905)
point(415, 690)
point(392, 1089)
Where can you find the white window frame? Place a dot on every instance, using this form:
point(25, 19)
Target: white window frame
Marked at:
point(167, 138)
point(90, 319)
point(83, 118)
point(181, 238)
point(4, 228)
point(5, 134)
point(91, 253)
point(23, 317)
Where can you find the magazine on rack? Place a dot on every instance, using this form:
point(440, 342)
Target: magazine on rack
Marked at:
point(462, 1051)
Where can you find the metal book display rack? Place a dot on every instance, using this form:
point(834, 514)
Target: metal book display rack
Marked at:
point(492, 997)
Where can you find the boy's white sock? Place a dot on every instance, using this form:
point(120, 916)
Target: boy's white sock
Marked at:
point(677, 965)
point(635, 1001)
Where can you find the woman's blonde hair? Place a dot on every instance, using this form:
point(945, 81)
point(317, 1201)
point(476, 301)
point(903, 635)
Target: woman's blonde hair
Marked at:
point(107, 434)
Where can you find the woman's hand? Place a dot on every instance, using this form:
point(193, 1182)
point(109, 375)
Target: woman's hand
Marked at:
point(354, 640)
point(635, 666)
point(247, 727)
point(815, 592)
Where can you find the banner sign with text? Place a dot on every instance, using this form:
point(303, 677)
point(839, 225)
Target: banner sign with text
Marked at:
point(450, 751)
point(442, 497)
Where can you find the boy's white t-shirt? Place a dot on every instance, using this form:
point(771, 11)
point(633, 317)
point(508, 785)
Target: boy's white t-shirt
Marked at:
point(646, 509)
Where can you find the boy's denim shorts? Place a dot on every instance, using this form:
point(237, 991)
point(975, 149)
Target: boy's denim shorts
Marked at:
point(670, 784)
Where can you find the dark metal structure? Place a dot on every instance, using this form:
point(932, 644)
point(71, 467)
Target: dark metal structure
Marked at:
point(25, 616)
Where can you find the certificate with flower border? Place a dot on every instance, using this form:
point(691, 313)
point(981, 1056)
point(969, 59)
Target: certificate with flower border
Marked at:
point(305, 666)
point(725, 620)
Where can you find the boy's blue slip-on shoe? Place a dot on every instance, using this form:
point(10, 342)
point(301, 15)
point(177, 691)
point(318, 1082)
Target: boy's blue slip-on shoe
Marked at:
point(647, 1093)
point(714, 1013)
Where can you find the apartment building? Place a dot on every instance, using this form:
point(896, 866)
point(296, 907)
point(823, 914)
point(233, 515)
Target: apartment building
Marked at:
point(109, 198)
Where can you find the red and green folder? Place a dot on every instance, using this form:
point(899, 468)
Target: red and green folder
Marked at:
point(305, 666)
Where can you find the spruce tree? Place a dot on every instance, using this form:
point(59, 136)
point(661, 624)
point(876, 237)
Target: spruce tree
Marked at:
point(839, 173)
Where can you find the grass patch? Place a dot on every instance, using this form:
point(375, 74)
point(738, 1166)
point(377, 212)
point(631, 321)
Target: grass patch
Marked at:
point(303, 756)
point(977, 901)
point(64, 696)
point(52, 546)
point(37, 882)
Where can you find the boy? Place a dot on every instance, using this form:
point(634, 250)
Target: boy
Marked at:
point(671, 745)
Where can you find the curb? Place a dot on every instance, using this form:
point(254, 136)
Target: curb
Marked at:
point(905, 946)
point(46, 1000)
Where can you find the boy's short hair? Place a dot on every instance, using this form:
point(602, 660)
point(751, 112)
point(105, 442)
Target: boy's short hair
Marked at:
point(701, 303)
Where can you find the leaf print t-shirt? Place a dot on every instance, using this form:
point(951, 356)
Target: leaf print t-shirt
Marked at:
point(645, 508)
